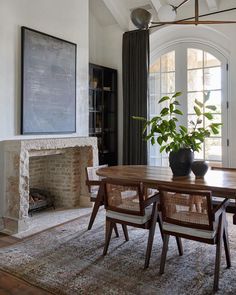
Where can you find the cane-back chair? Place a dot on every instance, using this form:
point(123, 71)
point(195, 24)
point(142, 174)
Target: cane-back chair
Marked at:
point(127, 204)
point(231, 208)
point(190, 214)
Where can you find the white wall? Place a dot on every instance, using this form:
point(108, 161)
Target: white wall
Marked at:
point(61, 18)
point(105, 48)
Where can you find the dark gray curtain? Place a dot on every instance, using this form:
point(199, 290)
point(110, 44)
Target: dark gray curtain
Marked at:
point(135, 92)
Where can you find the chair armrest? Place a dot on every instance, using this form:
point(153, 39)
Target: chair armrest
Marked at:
point(93, 182)
point(151, 200)
point(220, 209)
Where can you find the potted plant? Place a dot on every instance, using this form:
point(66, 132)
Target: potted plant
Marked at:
point(177, 140)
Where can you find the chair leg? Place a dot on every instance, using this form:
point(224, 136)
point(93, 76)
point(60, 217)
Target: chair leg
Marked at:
point(150, 243)
point(226, 243)
point(96, 206)
point(124, 227)
point(164, 253)
point(109, 227)
point(180, 246)
point(159, 220)
point(218, 254)
point(116, 230)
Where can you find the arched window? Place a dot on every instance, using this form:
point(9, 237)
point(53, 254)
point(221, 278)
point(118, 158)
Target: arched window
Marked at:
point(195, 70)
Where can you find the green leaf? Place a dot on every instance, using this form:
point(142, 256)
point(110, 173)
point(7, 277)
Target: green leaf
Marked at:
point(164, 98)
point(206, 96)
point(209, 116)
point(178, 112)
point(162, 148)
point(176, 103)
point(183, 128)
point(139, 118)
point(214, 130)
point(153, 140)
point(160, 140)
point(199, 121)
point(211, 107)
point(177, 94)
point(199, 103)
point(164, 112)
point(197, 111)
point(171, 108)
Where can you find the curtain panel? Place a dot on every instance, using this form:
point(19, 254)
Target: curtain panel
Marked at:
point(135, 57)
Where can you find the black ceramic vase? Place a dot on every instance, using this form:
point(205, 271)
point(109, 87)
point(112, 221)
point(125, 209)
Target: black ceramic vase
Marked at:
point(181, 161)
point(199, 168)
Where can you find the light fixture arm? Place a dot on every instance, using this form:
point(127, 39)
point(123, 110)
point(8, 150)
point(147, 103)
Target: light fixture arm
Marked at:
point(182, 3)
point(196, 10)
point(158, 24)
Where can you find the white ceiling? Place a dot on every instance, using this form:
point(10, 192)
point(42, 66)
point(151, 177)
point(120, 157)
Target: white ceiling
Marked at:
point(109, 12)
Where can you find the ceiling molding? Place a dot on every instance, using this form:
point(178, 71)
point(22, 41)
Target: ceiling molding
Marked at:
point(119, 12)
point(212, 5)
point(156, 4)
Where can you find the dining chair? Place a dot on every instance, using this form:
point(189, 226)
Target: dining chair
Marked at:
point(126, 203)
point(93, 182)
point(190, 214)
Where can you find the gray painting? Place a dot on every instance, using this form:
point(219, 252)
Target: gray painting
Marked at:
point(48, 84)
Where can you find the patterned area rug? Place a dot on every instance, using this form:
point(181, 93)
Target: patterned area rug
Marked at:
point(67, 260)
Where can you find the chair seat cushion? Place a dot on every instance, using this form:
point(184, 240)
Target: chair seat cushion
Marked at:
point(200, 233)
point(131, 218)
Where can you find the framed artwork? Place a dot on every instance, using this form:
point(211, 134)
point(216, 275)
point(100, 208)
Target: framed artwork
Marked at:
point(48, 84)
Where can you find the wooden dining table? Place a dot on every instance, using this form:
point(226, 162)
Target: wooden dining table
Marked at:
point(220, 183)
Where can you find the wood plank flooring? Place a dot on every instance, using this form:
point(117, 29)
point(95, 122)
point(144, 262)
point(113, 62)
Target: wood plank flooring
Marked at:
point(10, 285)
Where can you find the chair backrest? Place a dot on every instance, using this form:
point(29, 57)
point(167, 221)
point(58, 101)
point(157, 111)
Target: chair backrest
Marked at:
point(124, 196)
point(92, 176)
point(189, 208)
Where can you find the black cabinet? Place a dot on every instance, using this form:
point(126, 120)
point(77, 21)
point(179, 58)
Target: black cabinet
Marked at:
point(103, 111)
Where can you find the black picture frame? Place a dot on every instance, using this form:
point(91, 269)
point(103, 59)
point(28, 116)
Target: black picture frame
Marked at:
point(48, 83)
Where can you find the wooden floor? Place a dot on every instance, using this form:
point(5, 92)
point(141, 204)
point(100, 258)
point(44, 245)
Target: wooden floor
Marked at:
point(10, 285)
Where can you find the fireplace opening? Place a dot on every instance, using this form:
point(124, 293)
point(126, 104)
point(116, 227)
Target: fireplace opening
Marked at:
point(39, 200)
point(54, 177)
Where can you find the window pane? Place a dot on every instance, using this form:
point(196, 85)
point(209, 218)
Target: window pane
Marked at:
point(154, 107)
point(154, 84)
point(155, 161)
point(191, 99)
point(195, 58)
point(156, 66)
point(215, 99)
point(210, 60)
point(168, 83)
point(213, 149)
point(212, 78)
point(168, 62)
point(195, 80)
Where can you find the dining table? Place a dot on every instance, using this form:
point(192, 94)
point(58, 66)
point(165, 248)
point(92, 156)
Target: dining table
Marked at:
point(222, 183)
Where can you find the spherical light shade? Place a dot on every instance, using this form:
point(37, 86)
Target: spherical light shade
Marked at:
point(141, 18)
point(167, 13)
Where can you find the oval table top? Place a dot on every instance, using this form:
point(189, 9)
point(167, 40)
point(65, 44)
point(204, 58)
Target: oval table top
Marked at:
point(222, 183)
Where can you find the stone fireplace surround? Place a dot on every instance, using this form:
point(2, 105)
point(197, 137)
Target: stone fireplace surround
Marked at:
point(55, 164)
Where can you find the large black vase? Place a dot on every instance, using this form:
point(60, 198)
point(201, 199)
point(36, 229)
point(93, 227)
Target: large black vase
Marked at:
point(181, 161)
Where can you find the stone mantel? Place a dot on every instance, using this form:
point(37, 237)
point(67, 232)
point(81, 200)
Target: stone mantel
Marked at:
point(14, 199)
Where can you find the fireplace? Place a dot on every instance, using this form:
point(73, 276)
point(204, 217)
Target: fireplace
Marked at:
point(54, 165)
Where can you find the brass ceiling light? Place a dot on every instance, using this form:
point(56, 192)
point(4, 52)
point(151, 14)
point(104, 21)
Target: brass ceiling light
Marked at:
point(167, 14)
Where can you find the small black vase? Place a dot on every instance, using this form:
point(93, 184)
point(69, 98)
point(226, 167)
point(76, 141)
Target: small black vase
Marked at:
point(199, 168)
point(180, 162)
